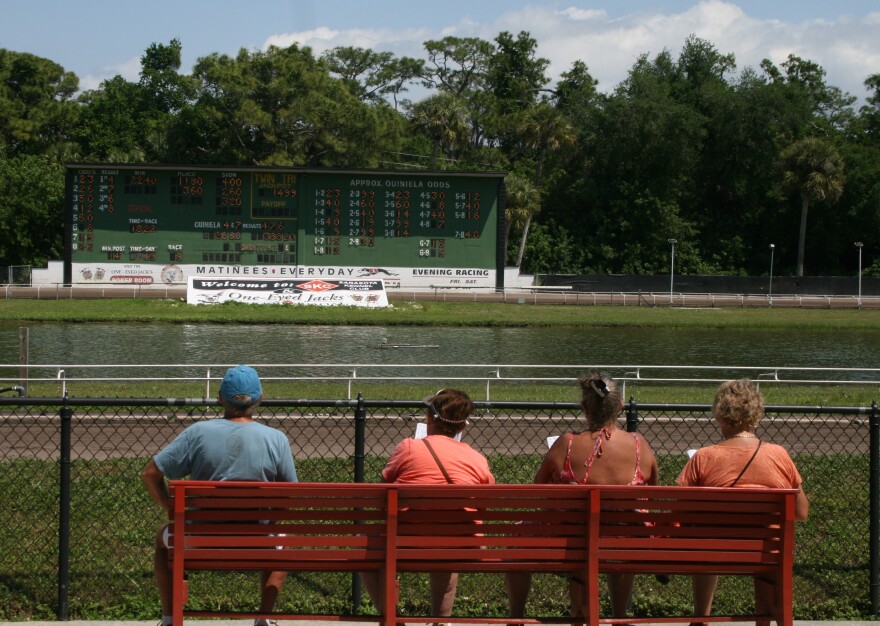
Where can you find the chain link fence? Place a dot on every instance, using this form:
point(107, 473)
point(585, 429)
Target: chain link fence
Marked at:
point(15, 274)
point(86, 553)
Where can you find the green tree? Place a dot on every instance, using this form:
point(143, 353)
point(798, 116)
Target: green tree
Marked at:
point(576, 94)
point(457, 65)
point(812, 168)
point(552, 250)
point(544, 129)
point(31, 224)
point(167, 90)
point(640, 165)
point(516, 74)
point(824, 106)
point(280, 107)
point(36, 110)
point(373, 76)
point(523, 200)
point(112, 123)
point(870, 112)
point(443, 118)
point(125, 121)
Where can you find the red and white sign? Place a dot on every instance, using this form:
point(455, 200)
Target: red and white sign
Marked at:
point(366, 293)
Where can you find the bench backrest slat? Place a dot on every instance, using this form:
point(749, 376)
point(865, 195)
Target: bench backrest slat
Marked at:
point(649, 529)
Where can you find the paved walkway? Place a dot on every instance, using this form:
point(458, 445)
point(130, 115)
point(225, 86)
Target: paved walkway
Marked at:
point(219, 622)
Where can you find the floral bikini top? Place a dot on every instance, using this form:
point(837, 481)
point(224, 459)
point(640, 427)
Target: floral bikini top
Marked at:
point(566, 476)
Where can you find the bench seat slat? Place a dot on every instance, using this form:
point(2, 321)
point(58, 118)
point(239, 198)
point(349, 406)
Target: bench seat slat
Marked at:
point(693, 532)
point(481, 536)
point(289, 539)
point(461, 556)
point(703, 544)
point(290, 528)
point(273, 555)
point(306, 515)
point(209, 503)
point(664, 556)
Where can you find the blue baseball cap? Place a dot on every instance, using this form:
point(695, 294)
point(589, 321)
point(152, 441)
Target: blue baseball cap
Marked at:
point(241, 386)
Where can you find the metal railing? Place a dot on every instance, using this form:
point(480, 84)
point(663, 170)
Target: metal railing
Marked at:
point(513, 295)
point(489, 376)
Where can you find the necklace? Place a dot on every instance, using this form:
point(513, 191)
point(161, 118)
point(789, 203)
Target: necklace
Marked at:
point(749, 436)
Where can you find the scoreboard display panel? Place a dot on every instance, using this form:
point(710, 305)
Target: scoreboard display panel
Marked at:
point(162, 224)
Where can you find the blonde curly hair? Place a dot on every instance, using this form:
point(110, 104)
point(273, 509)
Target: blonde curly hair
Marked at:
point(739, 404)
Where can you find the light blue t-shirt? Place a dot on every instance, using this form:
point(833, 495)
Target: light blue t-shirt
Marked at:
point(220, 449)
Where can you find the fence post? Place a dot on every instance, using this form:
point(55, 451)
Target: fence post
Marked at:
point(874, 496)
point(632, 416)
point(360, 435)
point(64, 513)
point(24, 358)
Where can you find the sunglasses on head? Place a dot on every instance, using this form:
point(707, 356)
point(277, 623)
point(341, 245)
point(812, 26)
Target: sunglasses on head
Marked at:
point(429, 402)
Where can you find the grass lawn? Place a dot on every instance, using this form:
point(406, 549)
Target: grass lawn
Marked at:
point(430, 313)
point(114, 521)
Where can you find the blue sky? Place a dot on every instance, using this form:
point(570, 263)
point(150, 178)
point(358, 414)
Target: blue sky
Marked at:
point(98, 39)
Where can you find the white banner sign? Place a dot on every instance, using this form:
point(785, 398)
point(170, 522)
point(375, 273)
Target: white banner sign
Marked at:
point(367, 293)
point(146, 274)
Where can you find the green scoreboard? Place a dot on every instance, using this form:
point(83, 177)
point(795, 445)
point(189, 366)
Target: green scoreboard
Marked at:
point(146, 224)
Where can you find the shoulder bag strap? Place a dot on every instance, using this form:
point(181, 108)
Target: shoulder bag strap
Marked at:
point(747, 464)
point(437, 458)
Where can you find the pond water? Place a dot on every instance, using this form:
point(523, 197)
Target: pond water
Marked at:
point(201, 344)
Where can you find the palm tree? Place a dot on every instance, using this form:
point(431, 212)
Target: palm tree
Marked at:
point(813, 168)
point(443, 118)
point(523, 200)
point(543, 129)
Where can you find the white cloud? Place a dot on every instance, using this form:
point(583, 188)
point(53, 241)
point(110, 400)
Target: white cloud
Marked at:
point(322, 39)
point(574, 13)
point(848, 47)
point(130, 71)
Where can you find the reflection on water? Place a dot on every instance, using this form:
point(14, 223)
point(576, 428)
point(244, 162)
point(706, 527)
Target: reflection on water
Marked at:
point(202, 344)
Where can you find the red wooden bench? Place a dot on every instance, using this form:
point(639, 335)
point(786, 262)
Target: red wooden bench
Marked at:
point(701, 530)
point(499, 528)
point(388, 528)
point(391, 528)
point(244, 526)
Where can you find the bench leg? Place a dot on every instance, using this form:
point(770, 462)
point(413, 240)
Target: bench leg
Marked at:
point(179, 596)
point(392, 593)
point(770, 599)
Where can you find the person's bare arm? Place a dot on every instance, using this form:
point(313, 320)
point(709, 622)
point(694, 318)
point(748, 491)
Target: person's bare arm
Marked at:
point(653, 476)
point(801, 505)
point(553, 461)
point(154, 479)
point(649, 461)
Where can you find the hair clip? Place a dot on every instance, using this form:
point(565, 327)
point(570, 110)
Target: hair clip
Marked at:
point(451, 421)
point(598, 385)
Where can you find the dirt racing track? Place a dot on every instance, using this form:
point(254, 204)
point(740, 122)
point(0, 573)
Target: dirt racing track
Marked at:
point(331, 435)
